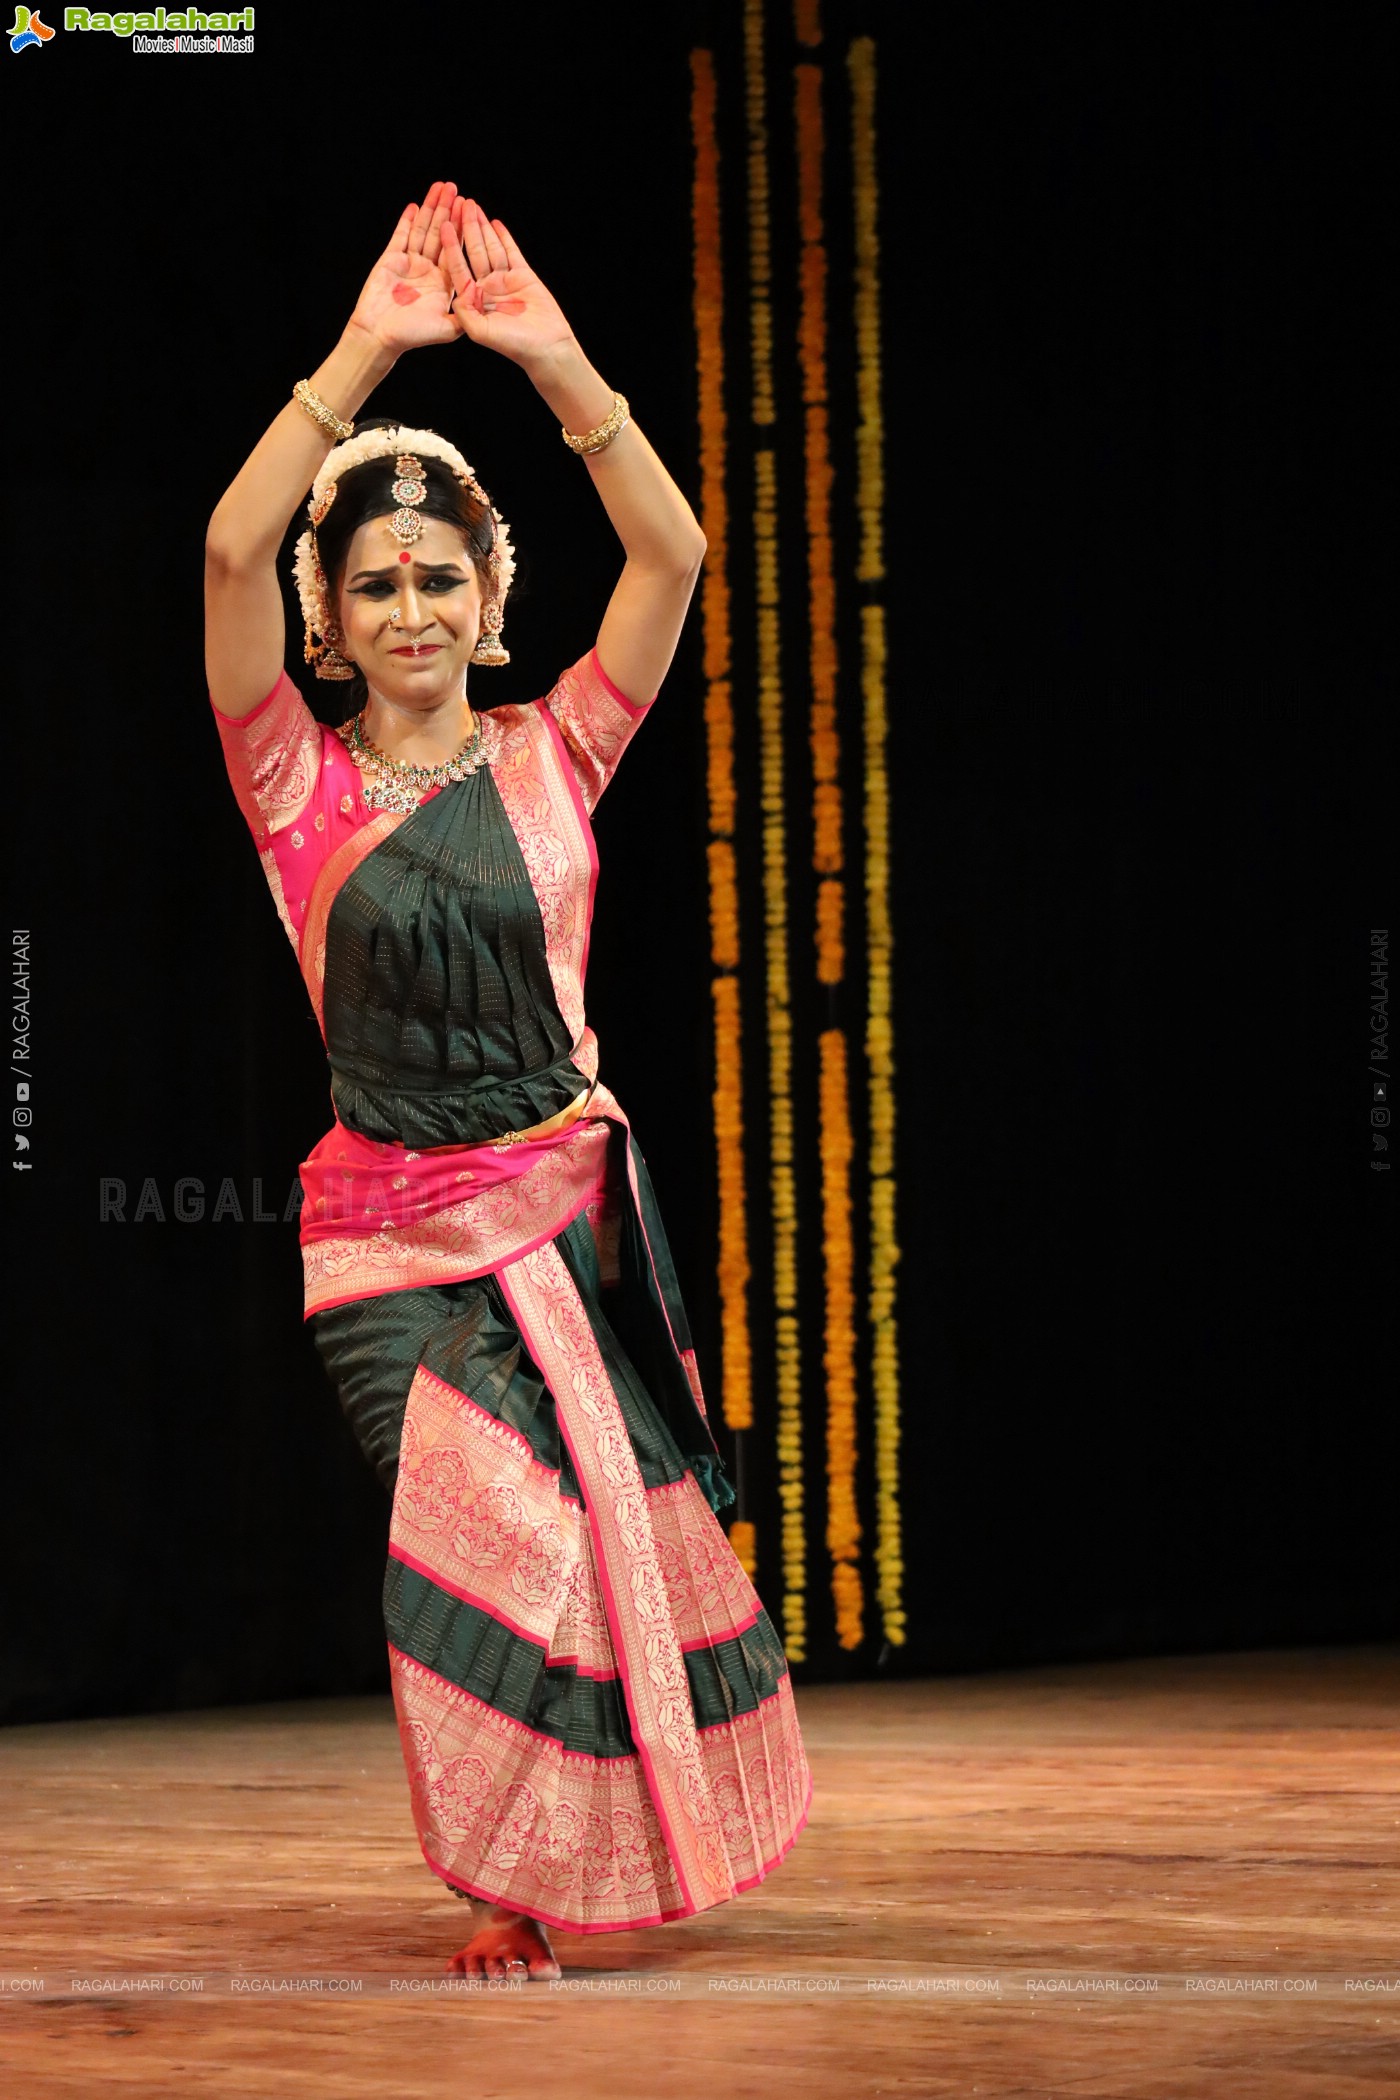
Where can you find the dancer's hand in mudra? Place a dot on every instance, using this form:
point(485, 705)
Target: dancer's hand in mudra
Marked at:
point(500, 302)
point(407, 295)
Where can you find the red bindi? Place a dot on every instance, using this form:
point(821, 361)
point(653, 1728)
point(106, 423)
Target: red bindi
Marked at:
point(405, 557)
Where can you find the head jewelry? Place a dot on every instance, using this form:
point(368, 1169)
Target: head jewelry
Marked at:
point(407, 448)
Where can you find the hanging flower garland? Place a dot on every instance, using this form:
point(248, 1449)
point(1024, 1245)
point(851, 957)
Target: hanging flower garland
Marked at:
point(736, 1385)
point(843, 1527)
point(879, 1039)
point(836, 1141)
point(782, 1185)
point(778, 1002)
point(744, 1541)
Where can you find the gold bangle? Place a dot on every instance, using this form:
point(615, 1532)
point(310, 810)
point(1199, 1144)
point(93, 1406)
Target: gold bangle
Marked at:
point(319, 413)
point(595, 440)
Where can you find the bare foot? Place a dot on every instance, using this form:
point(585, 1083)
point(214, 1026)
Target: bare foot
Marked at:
point(503, 1937)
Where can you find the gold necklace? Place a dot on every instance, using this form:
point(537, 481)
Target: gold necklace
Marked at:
point(398, 784)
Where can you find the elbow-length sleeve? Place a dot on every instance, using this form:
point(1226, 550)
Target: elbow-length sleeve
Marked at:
point(273, 755)
point(297, 800)
point(596, 722)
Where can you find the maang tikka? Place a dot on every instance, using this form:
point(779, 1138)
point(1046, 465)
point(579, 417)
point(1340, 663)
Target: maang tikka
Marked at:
point(407, 525)
point(409, 490)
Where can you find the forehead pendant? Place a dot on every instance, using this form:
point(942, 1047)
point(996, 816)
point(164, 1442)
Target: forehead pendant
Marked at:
point(409, 489)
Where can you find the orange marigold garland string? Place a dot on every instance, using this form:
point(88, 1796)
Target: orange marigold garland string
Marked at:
point(733, 1265)
point(843, 1527)
point(744, 1539)
point(879, 1039)
point(778, 991)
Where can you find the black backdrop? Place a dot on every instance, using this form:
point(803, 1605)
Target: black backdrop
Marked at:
point(1136, 759)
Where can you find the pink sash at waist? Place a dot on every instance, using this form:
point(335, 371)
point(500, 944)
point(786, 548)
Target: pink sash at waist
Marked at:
point(378, 1217)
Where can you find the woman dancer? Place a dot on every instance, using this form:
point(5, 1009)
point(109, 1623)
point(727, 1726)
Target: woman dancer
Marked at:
point(595, 1710)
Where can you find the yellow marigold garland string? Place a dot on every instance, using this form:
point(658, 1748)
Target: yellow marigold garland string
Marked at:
point(778, 995)
point(733, 1264)
point(783, 1193)
point(843, 1527)
point(879, 1041)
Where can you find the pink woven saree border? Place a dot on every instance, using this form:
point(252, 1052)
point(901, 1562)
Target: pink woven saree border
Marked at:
point(540, 1854)
point(540, 796)
point(311, 948)
point(554, 1323)
point(484, 1520)
point(584, 845)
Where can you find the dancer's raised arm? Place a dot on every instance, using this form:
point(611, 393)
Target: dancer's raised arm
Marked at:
point(503, 305)
point(404, 303)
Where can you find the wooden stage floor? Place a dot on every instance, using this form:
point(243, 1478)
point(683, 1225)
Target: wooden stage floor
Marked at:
point(1147, 1880)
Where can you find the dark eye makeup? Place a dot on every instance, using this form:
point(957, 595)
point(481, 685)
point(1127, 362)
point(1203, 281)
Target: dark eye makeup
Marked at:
point(382, 584)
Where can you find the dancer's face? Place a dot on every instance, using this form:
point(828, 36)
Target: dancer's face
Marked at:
point(436, 593)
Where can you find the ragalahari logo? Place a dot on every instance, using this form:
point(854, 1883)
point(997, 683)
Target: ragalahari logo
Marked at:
point(28, 30)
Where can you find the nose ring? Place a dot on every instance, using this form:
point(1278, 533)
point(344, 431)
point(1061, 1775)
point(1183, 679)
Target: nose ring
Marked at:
point(394, 617)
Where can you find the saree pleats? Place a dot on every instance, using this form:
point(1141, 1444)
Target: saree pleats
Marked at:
point(594, 1707)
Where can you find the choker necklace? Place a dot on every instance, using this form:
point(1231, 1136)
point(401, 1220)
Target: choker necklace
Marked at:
point(399, 785)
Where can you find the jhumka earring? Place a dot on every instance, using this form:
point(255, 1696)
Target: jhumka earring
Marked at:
point(488, 648)
point(323, 654)
point(331, 664)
